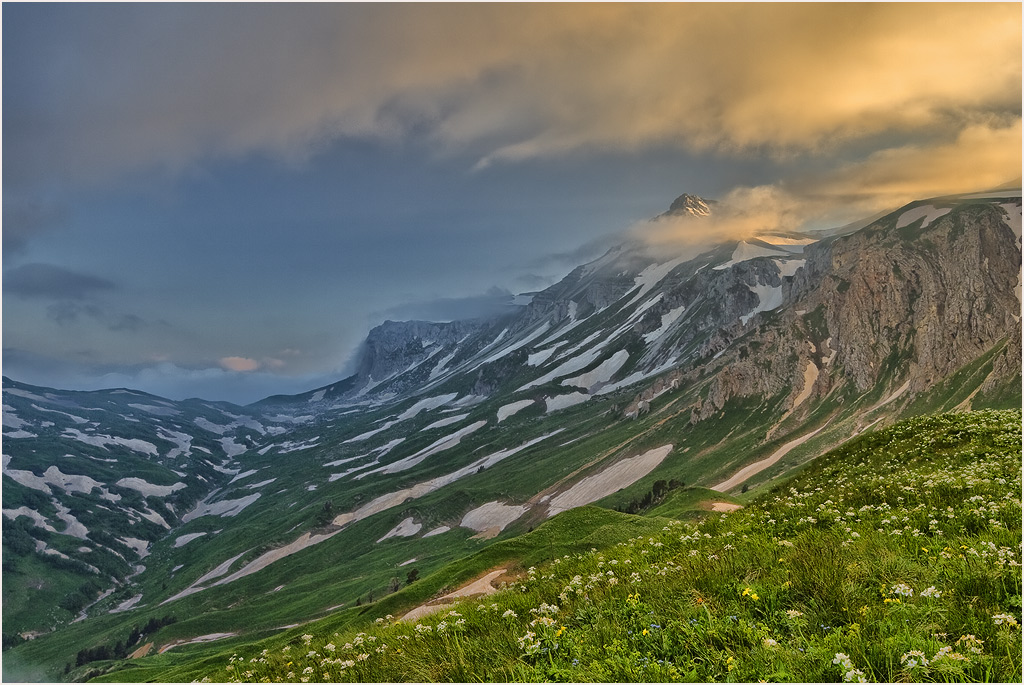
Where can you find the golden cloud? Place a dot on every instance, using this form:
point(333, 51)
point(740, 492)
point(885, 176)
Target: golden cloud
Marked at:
point(509, 82)
point(239, 364)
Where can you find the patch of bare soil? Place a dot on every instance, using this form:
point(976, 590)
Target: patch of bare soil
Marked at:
point(480, 587)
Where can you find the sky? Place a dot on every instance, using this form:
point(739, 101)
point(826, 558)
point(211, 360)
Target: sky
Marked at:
point(220, 200)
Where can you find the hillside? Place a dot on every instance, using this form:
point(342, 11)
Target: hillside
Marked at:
point(894, 557)
point(647, 380)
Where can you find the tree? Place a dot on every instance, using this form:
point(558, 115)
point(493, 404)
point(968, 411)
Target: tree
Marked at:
point(412, 576)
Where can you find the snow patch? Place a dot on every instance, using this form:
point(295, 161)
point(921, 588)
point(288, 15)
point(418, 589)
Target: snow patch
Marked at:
point(232, 448)
point(444, 422)
point(492, 515)
point(183, 442)
point(211, 426)
point(437, 531)
point(76, 419)
point(507, 410)
point(133, 444)
point(243, 474)
point(770, 297)
point(667, 320)
point(152, 409)
point(318, 395)
point(928, 212)
point(565, 368)
point(441, 366)
point(182, 540)
point(147, 489)
point(11, 420)
point(407, 528)
point(601, 374)
point(564, 401)
point(37, 518)
point(440, 445)
point(781, 241)
point(515, 346)
point(745, 251)
point(788, 267)
point(126, 605)
point(610, 480)
point(228, 507)
point(652, 275)
point(26, 394)
point(1013, 217)
point(426, 405)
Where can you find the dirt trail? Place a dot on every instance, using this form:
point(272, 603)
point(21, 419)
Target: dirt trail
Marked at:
point(202, 638)
point(725, 507)
point(758, 466)
point(481, 586)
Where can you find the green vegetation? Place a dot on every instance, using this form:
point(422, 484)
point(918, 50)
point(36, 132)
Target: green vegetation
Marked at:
point(895, 557)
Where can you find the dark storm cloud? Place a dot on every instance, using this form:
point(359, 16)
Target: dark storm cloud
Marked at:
point(53, 282)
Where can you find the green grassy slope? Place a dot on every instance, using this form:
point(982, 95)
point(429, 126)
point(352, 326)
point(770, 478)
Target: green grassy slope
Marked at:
point(895, 557)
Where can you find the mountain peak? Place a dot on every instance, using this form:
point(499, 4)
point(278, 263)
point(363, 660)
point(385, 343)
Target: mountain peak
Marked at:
point(690, 204)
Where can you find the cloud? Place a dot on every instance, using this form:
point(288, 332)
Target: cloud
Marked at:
point(168, 86)
point(981, 157)
point(53, 282)
point(239, 363)
point(24, 219)
point(164, 379)
point(494, 302)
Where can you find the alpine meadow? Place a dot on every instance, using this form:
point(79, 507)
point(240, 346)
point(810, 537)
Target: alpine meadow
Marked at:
point(512, 343)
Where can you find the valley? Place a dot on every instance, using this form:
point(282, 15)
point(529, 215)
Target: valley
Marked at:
point(643, 382)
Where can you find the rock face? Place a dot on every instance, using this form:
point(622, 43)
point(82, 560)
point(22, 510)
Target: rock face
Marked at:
point(889, 305)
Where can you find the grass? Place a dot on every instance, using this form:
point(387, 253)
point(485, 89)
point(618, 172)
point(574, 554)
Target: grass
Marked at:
point(895, 557)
